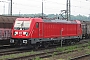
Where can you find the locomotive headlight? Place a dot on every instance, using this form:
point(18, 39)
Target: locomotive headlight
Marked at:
point(25, 33)
point(15, 33)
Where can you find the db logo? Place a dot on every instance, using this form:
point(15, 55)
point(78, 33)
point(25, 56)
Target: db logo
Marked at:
point(20, 33)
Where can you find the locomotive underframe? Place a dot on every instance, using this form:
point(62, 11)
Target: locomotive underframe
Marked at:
point(41, 41)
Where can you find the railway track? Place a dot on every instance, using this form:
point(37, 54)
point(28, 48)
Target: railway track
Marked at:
point(19, 50)
point(13, 52)
point(82, 57)
point(8, 49)
point(42, 54)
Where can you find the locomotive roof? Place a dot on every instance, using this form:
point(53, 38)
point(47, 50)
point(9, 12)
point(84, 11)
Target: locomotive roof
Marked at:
point(51, 20)
point(61, 21)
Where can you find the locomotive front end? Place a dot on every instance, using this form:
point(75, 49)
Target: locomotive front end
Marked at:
point(21, 32)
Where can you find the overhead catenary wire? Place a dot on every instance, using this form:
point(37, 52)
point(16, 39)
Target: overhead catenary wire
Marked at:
point(84, 7)
point(47, 1)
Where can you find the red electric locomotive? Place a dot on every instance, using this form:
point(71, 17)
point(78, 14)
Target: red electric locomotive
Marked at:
point(37, 31)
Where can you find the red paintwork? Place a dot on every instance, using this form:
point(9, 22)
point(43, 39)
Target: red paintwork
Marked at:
point(52, 30)
point(32, 30)
point(49, 29)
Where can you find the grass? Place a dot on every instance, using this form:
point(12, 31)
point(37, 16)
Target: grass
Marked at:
point(71, 48)
point(46, 51)
point(36, 58)
point(89, 42)
point(16, 55)
point(61, 49)
point(88, 52)
point(54, 54)
point(88, 47)
point(61, 59)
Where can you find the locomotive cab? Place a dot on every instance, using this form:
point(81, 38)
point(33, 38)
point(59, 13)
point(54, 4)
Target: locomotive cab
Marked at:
point(21, 28)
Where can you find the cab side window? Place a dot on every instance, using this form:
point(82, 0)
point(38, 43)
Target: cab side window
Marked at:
point(80, 26)
point(37, 25)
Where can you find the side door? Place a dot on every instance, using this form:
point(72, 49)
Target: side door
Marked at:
point(79, 31)
point(41, 30)
point(35, 31)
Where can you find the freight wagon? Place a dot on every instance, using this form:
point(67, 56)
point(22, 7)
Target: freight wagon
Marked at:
point(6, 23)
point(85, 29)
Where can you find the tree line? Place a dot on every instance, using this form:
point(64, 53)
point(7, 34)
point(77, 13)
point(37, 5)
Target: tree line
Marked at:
point(78, 17)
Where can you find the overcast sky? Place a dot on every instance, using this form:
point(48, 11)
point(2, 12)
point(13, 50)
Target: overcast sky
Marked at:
point(50, 6)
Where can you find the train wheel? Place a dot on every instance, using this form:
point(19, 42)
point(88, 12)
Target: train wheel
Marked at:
point(36, 46)
point(12, 45)
point(67, 42)
point(72, 43)
point(46, 45)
